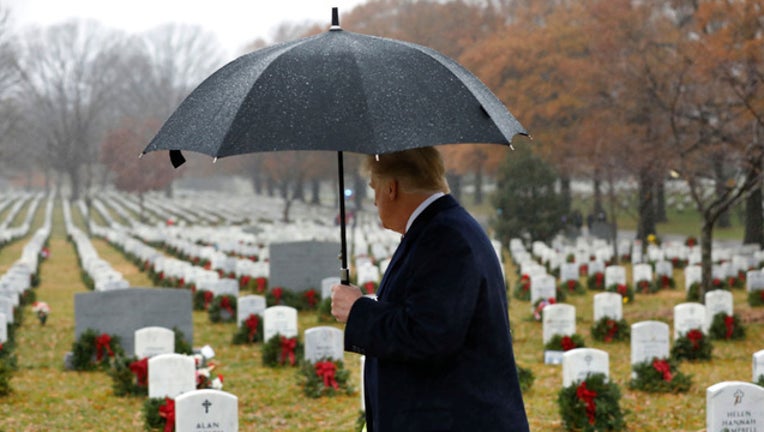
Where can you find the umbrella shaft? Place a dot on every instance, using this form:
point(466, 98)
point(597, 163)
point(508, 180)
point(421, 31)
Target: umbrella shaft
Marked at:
point(344, 273)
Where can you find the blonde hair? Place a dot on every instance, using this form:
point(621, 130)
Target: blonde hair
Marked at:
point(419, 170)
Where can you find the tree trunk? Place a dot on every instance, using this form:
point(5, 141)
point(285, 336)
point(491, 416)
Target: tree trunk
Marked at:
point(660, 201)
point(598, 208)
point(455, 184)
point(724, 220)
point(566, 194)
point(299, 188)
point(479, 185)
point(613, 222)
point(706, 237)
point(315, 191)
point(271, 187)
point(74, 177)
point(646, 223)
point(754, 220)
point(359, 190)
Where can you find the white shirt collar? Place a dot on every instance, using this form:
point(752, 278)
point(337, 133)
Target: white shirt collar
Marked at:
point(421, 208)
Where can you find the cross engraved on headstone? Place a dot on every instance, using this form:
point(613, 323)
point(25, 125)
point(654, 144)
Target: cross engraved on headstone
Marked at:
point(207, 404)
point(738, 397)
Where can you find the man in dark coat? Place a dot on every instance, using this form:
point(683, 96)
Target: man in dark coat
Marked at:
point(437, 340)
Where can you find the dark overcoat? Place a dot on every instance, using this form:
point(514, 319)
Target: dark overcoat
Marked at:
point(437, 342)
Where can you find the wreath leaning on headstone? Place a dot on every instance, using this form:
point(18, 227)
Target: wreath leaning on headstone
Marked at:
point(159, 414)
point(250, 331)
point(625, 290)
point(596, 281)
point(571, 286)
point(223, 308)
point(282, 351)
point(659, 376)
point(565, 342)
point(726, 327)
point(591, 405)
point(94, 351)
point(608, 330)
point(325, 378)
point(522, 289)
point(693, 292)
point(693, 345)
point(756, 298)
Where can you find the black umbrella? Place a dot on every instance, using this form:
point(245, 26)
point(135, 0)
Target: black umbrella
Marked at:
point(339, 91)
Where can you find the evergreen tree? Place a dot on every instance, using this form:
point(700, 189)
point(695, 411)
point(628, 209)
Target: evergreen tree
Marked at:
point(526, 199)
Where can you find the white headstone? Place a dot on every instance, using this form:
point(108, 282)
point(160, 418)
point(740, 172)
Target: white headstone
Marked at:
point(558, 319)
point(151, 341)
point(692, 274)
point(688, 316)
point(717, 301)
point(324, 342)
point(326, 286)
point(543, 288)
point(734, 406)
point(569, 271)
point(249, 305)
point(608, 304)
point(664, 268)
point(649, 339)
point(3, 329)
point(171, 375)
point(6, 308)
point(642, 272)
point(226, 286)
point(596, 266)
point(754, 280)
point(579, 363)
point(758, 365)
point(279, 320)
point(207, 411)
point(615, 275)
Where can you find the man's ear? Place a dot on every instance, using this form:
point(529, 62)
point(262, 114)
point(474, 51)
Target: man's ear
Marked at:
point(392, 189)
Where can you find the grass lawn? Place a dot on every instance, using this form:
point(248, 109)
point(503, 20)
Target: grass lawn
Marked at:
point(47, 398)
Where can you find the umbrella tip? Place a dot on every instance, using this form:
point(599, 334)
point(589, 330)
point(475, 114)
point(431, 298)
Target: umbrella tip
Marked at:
point(335, 19)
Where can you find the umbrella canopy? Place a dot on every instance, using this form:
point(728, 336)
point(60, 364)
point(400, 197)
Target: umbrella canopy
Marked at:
point(338, 91)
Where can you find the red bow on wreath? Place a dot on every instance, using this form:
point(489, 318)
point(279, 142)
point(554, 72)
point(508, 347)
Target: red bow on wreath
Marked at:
point(288, 346)
point(141, 370)
point(587, 397)
point(695, 336)
point(277, 293)
point(208, 296)
point(663, 368)
point(621, 288)
point(326, 370)
point(598, 279)
point(567, 343)
point(260, 284)
point(167, 411)
point(612, 329)
point(571, 285)
point(102, 343)
point(252, 322)
point(665, 281)
point(310, 295)
point(244, 281)
point(225, 303)
point(729, 324)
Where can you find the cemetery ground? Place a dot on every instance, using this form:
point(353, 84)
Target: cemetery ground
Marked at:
point(45, 397)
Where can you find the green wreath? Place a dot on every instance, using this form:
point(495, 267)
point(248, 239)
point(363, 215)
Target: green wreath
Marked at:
point(625, 290)
point(646, 287)
point(152, 419)
point(7, 369)
point(756, 298)
point(250, 331)
point(665, 282)
point(693, 293)
point(125, 380)
point(725, 327)
point(202, 299)
point(276, 355)
point(760, 381)
point(608, 330)
point(659, 376)
point(591, 405)
point(596, 281)
point(223, 308)
point(565, 342)
point(526, 378)
point(325, 311)
point(93, 351)
point(522, 289)
point(693, 345)
point(325, 378)
point(571, 286)
point(279, 296)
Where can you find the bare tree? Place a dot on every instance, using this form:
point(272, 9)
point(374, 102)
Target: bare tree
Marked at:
point(68, 79)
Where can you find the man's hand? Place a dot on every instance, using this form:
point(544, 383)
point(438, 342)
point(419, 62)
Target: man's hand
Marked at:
point(343, 297)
